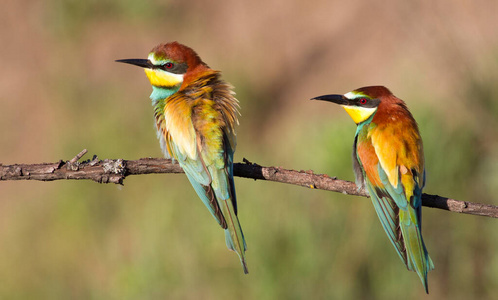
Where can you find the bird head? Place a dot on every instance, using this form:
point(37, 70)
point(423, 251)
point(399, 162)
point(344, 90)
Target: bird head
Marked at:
point(361, 103)
point(168, 65)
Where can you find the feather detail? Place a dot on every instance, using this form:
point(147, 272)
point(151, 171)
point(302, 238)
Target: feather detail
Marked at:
point(197, 124)
point(389, 150)
point(358, 172)
point(196, 113)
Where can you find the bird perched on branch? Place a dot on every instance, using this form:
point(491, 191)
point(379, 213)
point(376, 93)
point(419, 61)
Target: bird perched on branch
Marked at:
point(196, 113)
point(388, 159)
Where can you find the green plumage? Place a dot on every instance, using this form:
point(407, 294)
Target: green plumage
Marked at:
point(196, 114)
point(388, 159)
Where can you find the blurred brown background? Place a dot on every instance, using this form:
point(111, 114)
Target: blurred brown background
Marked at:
point(61, 91)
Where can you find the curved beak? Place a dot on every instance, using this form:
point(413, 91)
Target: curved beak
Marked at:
point(339, 99)
point(144, 63)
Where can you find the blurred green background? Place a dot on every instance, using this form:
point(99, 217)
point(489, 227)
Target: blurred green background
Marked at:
point(61, 91)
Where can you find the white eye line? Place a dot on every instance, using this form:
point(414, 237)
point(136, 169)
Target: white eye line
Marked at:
point(152, 59)
point(154, 62)
point(350, 95)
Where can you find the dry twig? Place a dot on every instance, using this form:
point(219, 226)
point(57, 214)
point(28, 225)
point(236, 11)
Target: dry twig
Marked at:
point(116, 170)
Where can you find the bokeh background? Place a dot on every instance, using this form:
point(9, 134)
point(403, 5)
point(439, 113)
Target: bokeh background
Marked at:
point(61, 91)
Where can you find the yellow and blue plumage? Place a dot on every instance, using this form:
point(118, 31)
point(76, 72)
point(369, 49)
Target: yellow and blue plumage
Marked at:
point(388, 159)
point(196, 113)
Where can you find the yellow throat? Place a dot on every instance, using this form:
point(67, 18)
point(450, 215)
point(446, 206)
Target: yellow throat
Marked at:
point(359, 114)
point(162, 78)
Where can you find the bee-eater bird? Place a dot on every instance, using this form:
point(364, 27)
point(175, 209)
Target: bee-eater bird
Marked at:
point(388, 159)
point(195, 113)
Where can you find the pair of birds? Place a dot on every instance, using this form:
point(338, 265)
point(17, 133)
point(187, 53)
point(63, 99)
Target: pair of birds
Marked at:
point(196, 112)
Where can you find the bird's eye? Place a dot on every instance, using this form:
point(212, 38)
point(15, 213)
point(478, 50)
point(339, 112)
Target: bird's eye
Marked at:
point(169, 65)
point(363, 100)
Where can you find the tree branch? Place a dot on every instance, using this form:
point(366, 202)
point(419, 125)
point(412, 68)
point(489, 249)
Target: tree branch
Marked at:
point(116, 170)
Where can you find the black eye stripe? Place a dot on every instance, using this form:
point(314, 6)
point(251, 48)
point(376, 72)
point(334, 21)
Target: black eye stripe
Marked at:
point(366, 102)
point(175, 68)
point(360, 101)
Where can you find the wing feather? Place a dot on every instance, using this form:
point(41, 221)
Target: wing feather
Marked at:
point(393, 183)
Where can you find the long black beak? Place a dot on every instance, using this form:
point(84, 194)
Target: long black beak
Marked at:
point(144, 63)
point(339, 99)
